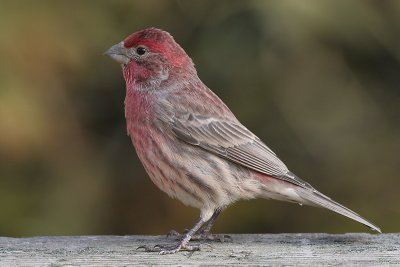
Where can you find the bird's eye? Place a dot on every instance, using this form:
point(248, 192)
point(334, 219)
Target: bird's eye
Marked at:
point(140, 51)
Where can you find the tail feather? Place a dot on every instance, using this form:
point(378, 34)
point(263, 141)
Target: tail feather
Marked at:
point(313, 197)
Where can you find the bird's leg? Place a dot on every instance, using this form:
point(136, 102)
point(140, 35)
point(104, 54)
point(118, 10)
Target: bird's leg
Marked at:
point(204, 233)
point(182, 245)
point(207, 227)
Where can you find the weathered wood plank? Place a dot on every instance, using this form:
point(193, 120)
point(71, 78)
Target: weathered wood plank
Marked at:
point(253, 249)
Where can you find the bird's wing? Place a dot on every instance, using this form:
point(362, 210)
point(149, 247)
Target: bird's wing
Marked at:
point(233, 141)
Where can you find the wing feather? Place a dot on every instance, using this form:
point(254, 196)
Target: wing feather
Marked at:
point(233, 141)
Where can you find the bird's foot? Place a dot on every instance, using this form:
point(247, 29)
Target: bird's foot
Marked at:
point(202, 236)
point(175, 234)
point(170, 249)
point(212, 237)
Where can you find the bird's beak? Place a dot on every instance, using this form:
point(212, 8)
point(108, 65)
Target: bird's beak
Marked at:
point(118, 52)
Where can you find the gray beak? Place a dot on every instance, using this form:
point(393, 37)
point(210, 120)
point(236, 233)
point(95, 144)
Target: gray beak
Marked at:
point(119, 53)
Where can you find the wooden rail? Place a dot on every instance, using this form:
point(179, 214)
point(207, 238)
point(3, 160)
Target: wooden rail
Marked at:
point(244, 249)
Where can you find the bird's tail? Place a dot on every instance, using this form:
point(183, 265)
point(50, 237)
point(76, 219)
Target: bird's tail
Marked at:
point(315, 198)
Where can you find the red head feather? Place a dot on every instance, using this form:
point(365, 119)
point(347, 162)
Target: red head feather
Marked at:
point(158, 41)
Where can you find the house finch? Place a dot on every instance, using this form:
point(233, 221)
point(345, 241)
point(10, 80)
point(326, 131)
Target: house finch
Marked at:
point(191, 145)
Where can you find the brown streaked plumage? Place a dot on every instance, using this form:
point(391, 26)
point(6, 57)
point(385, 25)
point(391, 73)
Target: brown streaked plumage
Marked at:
point(190, 143)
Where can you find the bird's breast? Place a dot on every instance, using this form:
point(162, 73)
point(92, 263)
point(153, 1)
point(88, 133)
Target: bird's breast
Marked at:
point(138, 109)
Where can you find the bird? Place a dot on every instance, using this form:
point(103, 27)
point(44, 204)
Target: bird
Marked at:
point(191, 144)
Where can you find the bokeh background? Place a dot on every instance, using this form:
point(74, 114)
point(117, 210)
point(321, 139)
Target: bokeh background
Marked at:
point(318, 81)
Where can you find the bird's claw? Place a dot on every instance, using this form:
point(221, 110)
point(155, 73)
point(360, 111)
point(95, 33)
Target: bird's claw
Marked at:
point(167, 249)
point(177, 248)
point(203, 237)
point(146, 248)
point(173, 233)
point(212, 237)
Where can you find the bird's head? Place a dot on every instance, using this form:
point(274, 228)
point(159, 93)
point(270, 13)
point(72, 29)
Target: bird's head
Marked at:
point(149, 57)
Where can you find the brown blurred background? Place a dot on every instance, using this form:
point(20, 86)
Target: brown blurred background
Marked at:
point(318, 81)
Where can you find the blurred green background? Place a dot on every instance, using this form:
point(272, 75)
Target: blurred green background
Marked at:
point(318, 81)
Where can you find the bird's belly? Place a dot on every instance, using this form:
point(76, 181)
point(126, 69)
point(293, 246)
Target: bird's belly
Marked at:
point(190, 174)
point(164, 167)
